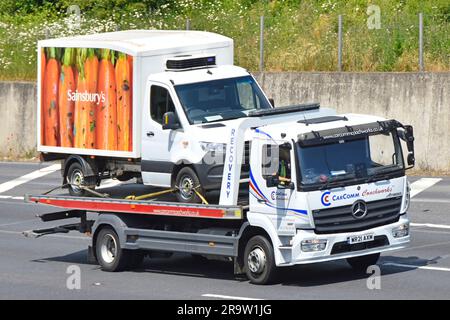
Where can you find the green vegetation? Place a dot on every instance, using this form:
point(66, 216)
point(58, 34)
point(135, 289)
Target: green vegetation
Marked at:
point(299, 35)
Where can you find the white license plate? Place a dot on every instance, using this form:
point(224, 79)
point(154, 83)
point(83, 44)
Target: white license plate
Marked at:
point(360, 239)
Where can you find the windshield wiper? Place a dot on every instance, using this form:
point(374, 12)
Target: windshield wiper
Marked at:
point(382, 175)
point(332, 183)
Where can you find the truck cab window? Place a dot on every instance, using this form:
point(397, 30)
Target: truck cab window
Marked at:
point(276, 161)
point(160, 103)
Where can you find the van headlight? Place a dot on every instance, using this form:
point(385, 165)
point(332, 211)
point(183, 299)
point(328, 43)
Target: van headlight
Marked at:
point(212, 146)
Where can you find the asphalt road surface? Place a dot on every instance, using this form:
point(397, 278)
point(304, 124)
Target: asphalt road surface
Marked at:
point(38, 268)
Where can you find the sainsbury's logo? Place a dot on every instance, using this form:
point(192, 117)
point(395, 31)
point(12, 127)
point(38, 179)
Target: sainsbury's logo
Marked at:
point(86, 96)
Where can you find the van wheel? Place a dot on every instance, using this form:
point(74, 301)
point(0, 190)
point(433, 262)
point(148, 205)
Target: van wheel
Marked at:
point(259, 260)
point(76, 178)
point(360, 264)
point(185, 183)
point(110, 255)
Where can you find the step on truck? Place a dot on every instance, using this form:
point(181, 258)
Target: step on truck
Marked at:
point(296, 185)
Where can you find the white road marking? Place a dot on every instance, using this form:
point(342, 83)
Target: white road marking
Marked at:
point(49, 235)
point(430, 225)
point(416, 267)
point(18, 222)
point(28, 177)
point(430, 200)
point(219, 296)
point(422, 184)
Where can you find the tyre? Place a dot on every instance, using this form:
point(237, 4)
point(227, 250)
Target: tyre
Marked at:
point(76, 177)
point(259, 260)
point(110, 255)
point(360, 264)
point(186, 180)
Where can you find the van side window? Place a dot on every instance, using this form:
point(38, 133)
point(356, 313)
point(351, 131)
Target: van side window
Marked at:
point(160, 103)
point(247, 97)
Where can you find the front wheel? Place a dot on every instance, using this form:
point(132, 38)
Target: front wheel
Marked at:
point(110, 255)
point(186, 183)
point(259, 260)
point(360, 264)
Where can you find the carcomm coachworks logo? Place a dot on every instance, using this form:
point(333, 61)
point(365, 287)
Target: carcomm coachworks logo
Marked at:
point(325, 199)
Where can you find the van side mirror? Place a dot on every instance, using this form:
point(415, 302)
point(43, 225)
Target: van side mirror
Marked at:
point(272, 102)
point(170, 121)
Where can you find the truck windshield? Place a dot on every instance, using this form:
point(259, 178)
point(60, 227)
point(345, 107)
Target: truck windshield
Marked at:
point(372, 158)
point(222, 99)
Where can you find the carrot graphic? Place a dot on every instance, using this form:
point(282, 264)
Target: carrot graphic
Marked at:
point(124, 103)
point(50, 100)
point(43, 65)
point(66, 106)
point(84, 123)
point(106, 133)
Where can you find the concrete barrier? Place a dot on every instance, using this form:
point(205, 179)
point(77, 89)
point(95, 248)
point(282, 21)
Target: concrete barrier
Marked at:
point(18, 119)
point(420, 99)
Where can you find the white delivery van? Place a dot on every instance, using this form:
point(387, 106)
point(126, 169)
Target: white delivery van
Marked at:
point(186, 75)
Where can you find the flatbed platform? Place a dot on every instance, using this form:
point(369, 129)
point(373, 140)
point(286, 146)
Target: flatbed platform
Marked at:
point(144, 207)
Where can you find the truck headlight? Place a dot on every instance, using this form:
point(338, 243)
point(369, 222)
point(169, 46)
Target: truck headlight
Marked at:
point(212, 146)
point(314, 245)
point(401, 231)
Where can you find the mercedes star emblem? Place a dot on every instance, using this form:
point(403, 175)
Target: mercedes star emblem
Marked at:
point(359, 209)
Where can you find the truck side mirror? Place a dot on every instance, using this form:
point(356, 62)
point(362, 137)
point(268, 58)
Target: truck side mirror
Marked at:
point(170, 121)
point(272, 102)
point(407, 135)
point(411, 159)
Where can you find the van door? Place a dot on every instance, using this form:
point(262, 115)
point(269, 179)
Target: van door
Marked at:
point(157, 143)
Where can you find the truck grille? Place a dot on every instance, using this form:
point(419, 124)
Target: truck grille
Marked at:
point(340, 219)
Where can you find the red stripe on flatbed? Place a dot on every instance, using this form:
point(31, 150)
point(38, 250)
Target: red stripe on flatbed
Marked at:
point(160, 209)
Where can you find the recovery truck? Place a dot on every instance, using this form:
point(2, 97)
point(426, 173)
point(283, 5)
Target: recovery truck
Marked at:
point(321, 187)
point(296, 184)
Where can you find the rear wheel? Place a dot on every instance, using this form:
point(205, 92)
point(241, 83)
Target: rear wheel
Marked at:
point(186, 183)
point(259, 260)
point(76, 178)
point(110, 255)
point(360, 264)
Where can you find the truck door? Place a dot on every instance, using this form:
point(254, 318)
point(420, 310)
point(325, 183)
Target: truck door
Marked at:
point(272, 181)
point(269, 182)
point(157, 143)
